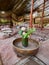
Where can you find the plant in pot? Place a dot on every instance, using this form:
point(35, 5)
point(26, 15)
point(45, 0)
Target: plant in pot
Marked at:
point(24, 32)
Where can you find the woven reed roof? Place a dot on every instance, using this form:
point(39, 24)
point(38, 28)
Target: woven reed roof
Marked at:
point(19, 7)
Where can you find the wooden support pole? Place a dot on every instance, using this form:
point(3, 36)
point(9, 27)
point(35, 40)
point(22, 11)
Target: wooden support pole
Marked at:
point(11, 23)
point(42, 18)
point(31, 13)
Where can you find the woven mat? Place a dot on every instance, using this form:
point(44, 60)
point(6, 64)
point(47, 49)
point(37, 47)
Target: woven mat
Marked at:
point(1, 63)
point(7, 53)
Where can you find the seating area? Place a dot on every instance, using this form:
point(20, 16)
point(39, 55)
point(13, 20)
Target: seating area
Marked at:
point(24, 32)
point(7, 32)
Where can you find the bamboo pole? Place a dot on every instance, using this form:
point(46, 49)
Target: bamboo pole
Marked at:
point(42, 18)
point(31, 13)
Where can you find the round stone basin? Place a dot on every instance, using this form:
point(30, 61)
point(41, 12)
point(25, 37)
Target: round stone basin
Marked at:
point(32, 48)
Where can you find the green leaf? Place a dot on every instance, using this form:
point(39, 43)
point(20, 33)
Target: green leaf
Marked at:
point(26, 35)
point(31, 30)
point(20, 32)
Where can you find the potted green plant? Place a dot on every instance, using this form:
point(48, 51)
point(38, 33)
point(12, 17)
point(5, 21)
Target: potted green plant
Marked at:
point(25, 34)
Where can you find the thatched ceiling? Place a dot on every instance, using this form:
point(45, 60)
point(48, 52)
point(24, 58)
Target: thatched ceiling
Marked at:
point(6, 4)
point(19, 7)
